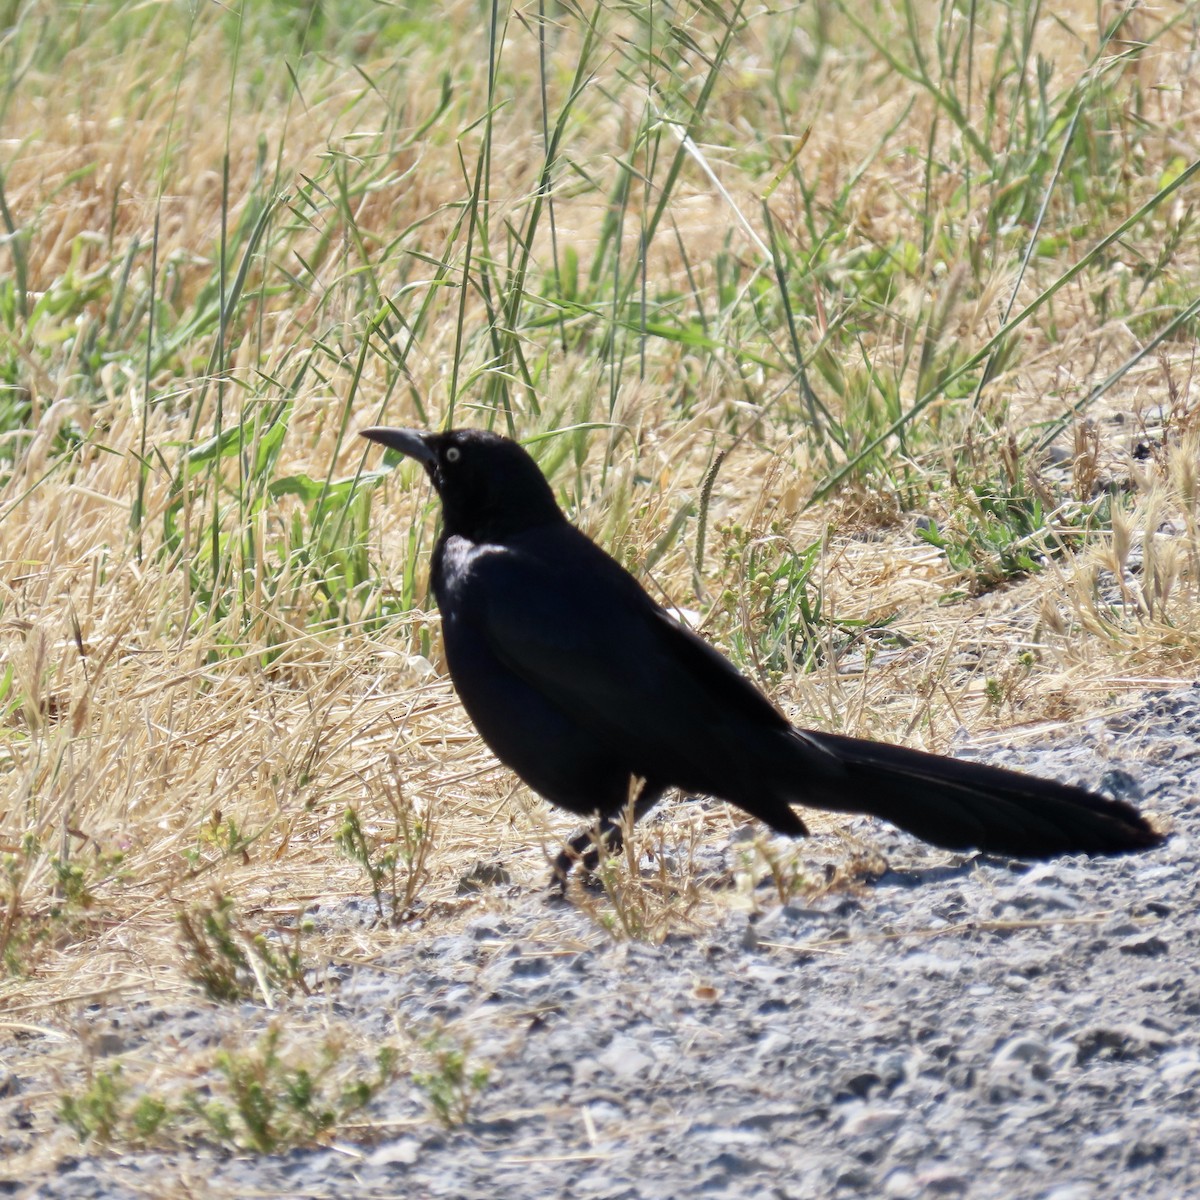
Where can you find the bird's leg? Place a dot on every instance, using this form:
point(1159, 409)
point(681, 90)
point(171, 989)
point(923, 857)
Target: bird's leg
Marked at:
point(608, 833)
point(584, 847)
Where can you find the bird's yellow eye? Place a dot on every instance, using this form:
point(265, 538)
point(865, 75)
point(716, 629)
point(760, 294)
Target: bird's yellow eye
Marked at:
point(453, 454)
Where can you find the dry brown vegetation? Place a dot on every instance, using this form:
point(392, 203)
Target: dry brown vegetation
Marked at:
point(214, 644)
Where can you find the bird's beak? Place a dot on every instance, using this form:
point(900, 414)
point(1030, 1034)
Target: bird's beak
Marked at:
point(409, 442)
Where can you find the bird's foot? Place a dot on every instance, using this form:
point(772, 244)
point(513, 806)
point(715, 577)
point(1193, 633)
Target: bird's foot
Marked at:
point(587, 849)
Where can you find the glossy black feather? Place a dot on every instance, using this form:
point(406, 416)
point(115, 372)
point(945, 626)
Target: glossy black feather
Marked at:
point(580, 682)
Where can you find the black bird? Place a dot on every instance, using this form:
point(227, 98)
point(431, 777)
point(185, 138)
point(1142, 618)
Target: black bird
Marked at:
point(595, 695)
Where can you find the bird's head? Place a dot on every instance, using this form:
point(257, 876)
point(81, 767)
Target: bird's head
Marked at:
point(489, 486)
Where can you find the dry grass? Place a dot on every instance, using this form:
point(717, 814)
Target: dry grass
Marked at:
point(205, 664)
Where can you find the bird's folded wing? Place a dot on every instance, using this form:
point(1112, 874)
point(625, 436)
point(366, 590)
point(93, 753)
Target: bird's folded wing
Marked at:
point(595, 646)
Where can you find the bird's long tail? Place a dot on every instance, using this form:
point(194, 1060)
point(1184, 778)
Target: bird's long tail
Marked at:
point(966, 805)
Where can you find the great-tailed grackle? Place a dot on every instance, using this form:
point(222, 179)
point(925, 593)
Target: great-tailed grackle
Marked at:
point(587, 688)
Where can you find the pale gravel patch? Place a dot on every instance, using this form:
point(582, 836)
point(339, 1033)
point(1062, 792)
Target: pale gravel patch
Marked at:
point(960, 1027)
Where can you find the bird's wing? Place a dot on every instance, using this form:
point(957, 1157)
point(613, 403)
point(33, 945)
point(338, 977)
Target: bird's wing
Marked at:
point(579, 630)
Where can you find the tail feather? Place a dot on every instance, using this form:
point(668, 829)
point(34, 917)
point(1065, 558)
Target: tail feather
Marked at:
point(965, 805)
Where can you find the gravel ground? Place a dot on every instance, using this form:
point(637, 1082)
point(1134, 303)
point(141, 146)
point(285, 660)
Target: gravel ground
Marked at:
point(959, 1027)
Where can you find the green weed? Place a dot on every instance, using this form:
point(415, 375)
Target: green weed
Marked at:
point(396, 861)
point(233, 961)
point(451, 1085)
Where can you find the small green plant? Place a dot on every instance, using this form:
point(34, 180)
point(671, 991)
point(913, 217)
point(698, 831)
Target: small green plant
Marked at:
point(783, 624)
point(396, 863)
point(1002, 531)
point(1005, 687)
point(268, 1103)
point(97, 1111)
point(451, 1085)
point(45, 896)
point(221, 835)
point(103, 1111)
point(233, 963)
point(16, 929)
point(259, 1100)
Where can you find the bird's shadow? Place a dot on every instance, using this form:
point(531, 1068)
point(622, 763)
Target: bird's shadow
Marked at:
point(915, 877)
